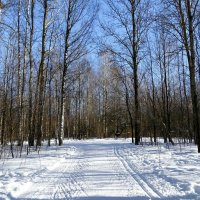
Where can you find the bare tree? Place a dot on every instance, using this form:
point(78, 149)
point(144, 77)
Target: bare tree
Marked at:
point(152, 93)
point(41, 76)
point(127, 25)
point(181, 17)
point(78, 26)
point(30, 16)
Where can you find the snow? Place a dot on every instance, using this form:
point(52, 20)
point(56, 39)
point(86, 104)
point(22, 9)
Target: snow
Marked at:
point(101, 170)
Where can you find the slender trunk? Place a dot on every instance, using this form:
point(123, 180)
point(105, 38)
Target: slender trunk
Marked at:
point(181, 118)
point(188, 40)
point(192, 68)
point(50, 96)
point(99, 116)
point(135, 75)
point(153, 97)
point(11, 115)
point(22, 124)
point(105, 111)
point(79, 106)
point(3, 117)
point(186, 102)
point(130, 115)
point(41, 79)
point(88, 113)
point(64, 76)
point(128, 107)
point(19, 73)
point(153, 106)
point(30, 114)
point(58, 110)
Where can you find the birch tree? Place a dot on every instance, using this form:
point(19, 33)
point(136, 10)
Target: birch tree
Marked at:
point(79, 19)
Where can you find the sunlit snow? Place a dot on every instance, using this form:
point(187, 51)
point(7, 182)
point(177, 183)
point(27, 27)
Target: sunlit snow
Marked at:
point(102, 170)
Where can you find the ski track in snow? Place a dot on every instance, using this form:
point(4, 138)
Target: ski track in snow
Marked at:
point(57, 183)
point(102, 170)
point(105, 175)
point(149, 189)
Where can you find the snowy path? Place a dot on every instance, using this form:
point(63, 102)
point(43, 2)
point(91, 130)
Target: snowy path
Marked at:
point(148, 189)
point(105, 175)
point(101, 170)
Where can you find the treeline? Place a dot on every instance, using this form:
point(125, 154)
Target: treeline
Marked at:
point(146, 85)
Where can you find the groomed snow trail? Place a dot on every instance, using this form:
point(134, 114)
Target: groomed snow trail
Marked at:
point(150, 191)
point(94, 171)
point(105, 176)
point(100, 170)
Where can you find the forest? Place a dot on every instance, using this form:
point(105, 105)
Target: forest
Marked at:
point(98, 69)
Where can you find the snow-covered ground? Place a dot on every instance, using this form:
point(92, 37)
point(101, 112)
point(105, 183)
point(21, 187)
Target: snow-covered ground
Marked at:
point(102, 170)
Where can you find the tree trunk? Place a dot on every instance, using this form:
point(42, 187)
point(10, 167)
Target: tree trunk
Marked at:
point(41, 78)
point(31, 135)
point(19, 73)
point(188, 40)
point(64, 73)
point(191, 61)
point(135, 75)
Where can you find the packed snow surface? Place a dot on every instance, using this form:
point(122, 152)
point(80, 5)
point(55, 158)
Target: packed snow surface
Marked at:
point(103, 170)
